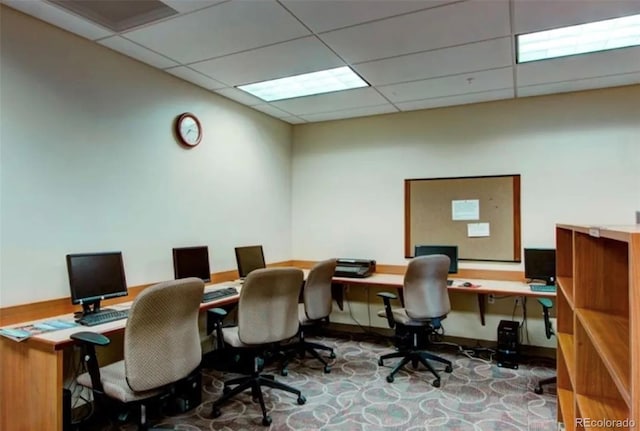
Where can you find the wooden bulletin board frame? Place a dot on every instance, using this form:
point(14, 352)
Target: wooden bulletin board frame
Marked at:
point(428, 209)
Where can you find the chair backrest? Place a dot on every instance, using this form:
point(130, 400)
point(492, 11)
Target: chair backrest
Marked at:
point(268, 305)
point(425, 287)
point(161, 339)
point(317, 290)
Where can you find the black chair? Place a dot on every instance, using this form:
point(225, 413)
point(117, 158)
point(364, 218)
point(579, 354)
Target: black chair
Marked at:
point(426, 301)
point(548, 329)
point(161, 348)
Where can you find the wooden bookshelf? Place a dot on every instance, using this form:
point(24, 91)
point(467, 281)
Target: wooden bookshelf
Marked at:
point(598, 300)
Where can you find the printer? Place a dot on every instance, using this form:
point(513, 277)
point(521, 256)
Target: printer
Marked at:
point(355, 268)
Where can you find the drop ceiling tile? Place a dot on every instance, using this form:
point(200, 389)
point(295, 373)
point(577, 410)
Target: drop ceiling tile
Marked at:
point(476, 82)
point(219, 30)
point(461, 99)
point(447, 61)
point(579, 84)
point(184, 6)
point(132, 50)
point(275, 61)
point(356, 98)
point(351, 113)
point(59, 17)
point(323, 15)
point(271, 110)
point(239, 96)
point(195, 78)
point(420, 31)
point(604, 63)
point(530, 16)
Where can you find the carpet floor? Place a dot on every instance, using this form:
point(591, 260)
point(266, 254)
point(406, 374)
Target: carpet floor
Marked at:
point(477, 395)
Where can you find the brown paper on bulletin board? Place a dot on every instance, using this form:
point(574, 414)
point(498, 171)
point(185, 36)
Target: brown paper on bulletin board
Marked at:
point(429, 221)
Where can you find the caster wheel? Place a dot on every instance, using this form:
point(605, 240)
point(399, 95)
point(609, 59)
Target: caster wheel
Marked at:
point(327, 369)
point(332, 355)
point(380, 362)
point(266, 421)
point(226, 390)
point(301, 400)
point(436, 383)
point(448, 369)
point(284, 372)
point(216, 413)
point(390, 379)
point(538, 390)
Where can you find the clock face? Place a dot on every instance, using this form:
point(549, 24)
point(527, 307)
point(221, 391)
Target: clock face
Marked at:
point(189, 129)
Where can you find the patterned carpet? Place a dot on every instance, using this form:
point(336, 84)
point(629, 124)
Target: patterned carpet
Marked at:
point(356, 396)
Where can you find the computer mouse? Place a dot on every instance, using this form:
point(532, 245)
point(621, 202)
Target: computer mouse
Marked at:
point(467, 284)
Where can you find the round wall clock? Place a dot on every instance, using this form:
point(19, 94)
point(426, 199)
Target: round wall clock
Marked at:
point(189, 129)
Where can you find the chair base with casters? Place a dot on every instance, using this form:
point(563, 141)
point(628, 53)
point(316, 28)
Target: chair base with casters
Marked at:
point(302, 347)
point(410, 339)
point(550, 381)
point(255, 381)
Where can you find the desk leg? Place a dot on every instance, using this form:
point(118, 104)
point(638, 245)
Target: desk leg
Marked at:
point(482, 301)
point(337, 293)
point(400, 296)
point(31, 387)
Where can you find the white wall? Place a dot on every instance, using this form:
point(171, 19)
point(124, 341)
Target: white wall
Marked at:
point(89, 163)
point(578, 155)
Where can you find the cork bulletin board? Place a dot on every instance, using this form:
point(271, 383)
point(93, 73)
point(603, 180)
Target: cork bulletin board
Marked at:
point(481, 215)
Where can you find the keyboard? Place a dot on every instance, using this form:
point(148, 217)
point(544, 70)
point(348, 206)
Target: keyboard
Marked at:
point(103, 316)
point(542, 288)
point(212, 295)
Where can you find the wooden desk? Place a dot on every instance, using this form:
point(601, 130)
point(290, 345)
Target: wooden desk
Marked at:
point(483, 287)
point(32, 375)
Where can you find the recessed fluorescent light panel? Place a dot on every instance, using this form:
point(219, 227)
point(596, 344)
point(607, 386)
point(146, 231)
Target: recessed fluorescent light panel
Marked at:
point(579, 39)
point(323, 81)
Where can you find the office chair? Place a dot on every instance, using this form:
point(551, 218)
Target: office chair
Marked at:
point(315, 310)
point(161, 347)
point(426, 303)
point(267, 315)
point(548, 329)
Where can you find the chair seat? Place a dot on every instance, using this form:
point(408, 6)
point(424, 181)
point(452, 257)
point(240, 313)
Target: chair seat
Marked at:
point(401, 317)
point(115, 384)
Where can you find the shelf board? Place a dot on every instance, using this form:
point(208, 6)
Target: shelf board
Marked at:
point(566, 285)
point(600, 409)
point(565, 341)
point(609, 335)
point(565, 398)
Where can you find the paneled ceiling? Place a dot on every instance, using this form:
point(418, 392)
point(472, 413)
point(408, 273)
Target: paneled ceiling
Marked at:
point(416, 54)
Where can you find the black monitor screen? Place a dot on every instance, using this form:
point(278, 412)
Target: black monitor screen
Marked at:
point(249, 258)
point(447, 250)
point(191, 262)
point(96, 276)
point(540, 264)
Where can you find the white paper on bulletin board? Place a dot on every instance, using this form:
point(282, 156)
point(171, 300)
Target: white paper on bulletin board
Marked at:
point(468, 209)
point(477, 230)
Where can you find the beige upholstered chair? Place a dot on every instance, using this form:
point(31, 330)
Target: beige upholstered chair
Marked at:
point(267, 314)
point(161, 346)
point(315, 310)
point(426, 304)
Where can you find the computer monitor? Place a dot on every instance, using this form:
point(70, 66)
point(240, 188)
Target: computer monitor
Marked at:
point(249, 258)
point(191, 262)
point(540, 264)
point(447, 250)
point(95, 276)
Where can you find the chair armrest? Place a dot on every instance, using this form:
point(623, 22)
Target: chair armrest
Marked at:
point(214, 323)
point(386, 298)
point(90, 338)
point(546, 306)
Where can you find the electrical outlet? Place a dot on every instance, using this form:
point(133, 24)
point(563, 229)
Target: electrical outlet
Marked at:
point(491, 299)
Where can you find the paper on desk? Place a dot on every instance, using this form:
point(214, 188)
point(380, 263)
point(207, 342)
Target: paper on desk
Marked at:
point(21, 333)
